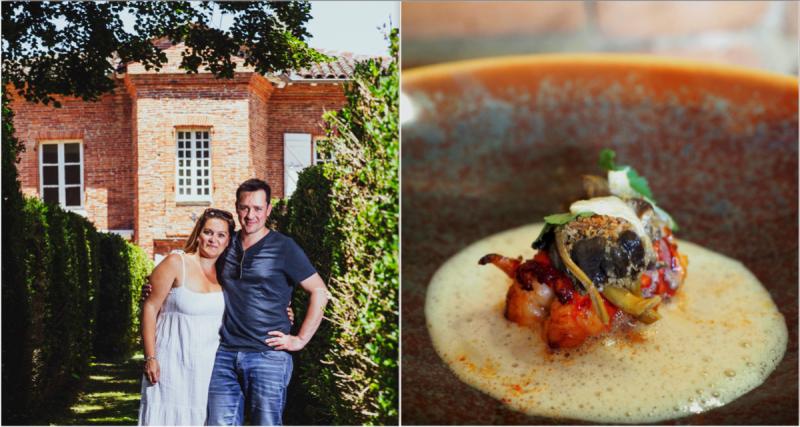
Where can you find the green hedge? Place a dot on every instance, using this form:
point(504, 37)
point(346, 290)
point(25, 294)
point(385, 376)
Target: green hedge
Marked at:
point(73, 296)
point(364, 135)
point(346, 213)
point(124, 269)
point(307, 214)
point(306, 217)
point(16, 307)
point(66, 289)
point(60, 273)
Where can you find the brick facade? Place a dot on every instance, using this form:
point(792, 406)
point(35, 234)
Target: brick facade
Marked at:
point(258, 99)
point(104, 127)
point(296, 109)
point(129, 143)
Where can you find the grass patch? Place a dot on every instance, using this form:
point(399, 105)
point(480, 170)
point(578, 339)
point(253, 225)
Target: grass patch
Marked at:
point(109, 397)
point(82, 409)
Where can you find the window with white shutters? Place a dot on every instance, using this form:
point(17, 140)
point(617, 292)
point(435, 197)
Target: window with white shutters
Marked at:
point(61, 173)
point(193, 165)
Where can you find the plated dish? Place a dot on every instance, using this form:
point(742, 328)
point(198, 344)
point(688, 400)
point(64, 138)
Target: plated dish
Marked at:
point(499, 143)
point(605, 265)
point(602, 323)
point(721, 336)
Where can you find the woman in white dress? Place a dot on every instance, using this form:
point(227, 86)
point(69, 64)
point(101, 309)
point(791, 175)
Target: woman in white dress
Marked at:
point(180, 326)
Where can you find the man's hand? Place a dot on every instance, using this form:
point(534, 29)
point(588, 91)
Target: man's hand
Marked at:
point(281, 341)
point(146, 289)
point(290, 312)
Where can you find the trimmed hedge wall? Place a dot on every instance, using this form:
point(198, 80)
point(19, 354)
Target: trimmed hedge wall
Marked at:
point(345, 215)
point(124, 269)
point(61, 275)
point(76, 299)
point(16, 308)
point(68, 292)
point(306, 218)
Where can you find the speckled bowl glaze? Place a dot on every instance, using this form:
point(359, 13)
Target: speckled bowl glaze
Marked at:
point(494, 144)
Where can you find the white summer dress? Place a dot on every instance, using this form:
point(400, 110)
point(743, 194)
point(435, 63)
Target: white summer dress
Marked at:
point(187, 337)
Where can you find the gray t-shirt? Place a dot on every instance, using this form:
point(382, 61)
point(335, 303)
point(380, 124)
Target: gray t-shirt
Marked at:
point(258, 284)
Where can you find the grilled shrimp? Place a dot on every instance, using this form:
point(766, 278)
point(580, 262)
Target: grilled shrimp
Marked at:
point(542, 296)
point(527, 300)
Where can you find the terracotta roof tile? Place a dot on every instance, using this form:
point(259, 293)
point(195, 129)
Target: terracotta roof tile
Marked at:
point(341, 68)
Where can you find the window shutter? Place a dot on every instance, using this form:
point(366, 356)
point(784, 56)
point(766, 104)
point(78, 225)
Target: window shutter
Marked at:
point(297, 156)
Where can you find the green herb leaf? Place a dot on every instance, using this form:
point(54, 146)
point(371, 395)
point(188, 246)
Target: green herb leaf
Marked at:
point(607, 163)
point(558, 219)
point(639, 183)
point(554, 220)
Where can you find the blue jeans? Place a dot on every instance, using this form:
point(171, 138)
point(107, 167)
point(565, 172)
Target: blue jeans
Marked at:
point(248, 380)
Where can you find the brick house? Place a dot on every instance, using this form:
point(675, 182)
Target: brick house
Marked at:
point(147, 159)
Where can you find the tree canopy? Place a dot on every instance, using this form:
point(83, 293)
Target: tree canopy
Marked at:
point(72, 48)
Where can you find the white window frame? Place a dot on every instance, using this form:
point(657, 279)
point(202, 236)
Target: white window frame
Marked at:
point(62, 193)
point(194, 169)
point(317, 159)
point(289, 138)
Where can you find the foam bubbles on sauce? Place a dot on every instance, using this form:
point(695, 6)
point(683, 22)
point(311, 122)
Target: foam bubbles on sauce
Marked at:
point(720, 337)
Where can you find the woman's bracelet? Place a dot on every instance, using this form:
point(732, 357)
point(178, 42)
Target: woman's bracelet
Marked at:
point(149, 358)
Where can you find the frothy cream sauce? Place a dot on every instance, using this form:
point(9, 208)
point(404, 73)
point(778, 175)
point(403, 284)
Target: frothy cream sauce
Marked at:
point(720, 337)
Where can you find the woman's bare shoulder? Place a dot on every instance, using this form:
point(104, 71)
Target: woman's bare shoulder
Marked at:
point(169, 266)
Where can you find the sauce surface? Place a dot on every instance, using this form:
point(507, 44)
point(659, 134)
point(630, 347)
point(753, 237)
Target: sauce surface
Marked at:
point(719, 337)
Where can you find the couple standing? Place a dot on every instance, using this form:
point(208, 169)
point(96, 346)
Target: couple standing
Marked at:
point(203, 367)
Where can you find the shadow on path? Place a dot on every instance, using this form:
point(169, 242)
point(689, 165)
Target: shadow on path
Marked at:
point(110, 396)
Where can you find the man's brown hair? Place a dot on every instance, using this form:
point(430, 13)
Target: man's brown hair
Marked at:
point(253, 184)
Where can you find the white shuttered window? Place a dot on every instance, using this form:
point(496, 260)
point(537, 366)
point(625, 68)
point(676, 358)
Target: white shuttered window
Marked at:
point(193, 165)
point(61, 173)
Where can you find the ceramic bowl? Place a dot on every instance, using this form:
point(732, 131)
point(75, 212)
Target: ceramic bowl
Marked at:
point(493, 144)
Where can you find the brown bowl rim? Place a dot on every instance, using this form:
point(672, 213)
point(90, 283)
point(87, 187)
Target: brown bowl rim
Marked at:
point(628, 60)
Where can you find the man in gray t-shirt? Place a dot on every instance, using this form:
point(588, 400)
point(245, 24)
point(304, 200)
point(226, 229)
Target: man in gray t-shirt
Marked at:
point(258, 274)
point(258, 284)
